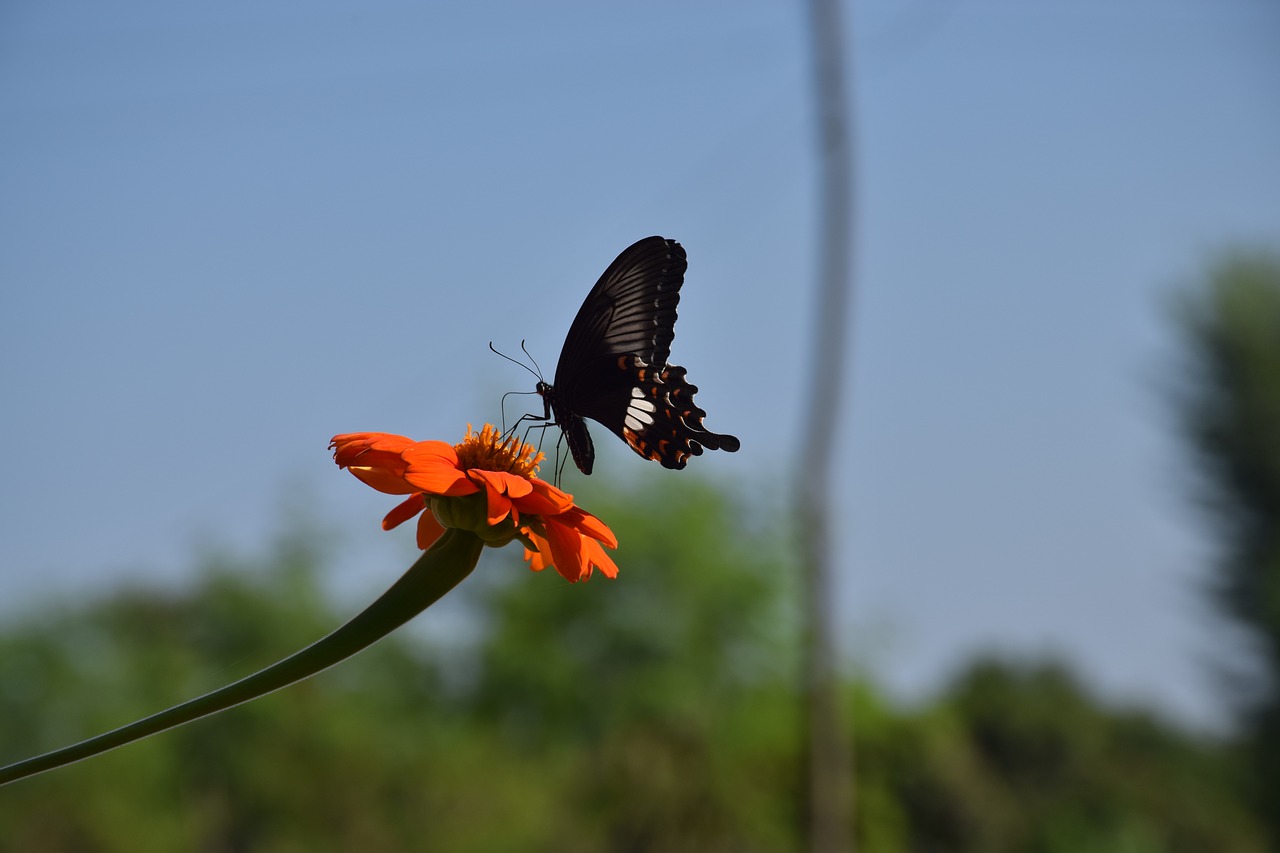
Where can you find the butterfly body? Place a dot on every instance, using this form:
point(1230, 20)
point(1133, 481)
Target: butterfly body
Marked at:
point(613, 367)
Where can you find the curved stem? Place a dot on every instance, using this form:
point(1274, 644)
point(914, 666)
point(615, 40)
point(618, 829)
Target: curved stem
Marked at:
point(438, 570)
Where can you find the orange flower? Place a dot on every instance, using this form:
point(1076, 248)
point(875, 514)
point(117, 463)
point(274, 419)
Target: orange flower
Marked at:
point(450, 480)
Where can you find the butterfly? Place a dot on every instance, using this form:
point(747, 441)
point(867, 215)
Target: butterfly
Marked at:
point(613, 366)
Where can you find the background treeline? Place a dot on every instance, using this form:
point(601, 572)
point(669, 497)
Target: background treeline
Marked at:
point(657, 712)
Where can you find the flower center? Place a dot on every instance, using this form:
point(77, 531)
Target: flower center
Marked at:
point(489, 451)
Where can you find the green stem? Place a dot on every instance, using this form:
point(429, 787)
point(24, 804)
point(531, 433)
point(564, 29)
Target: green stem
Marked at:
point(438, 570)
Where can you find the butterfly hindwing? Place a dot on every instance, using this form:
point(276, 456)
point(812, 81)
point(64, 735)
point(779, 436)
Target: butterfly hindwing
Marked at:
point(653, 412)
point(613, 366)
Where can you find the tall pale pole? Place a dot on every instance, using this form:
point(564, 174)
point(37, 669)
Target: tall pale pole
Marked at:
point(830, 781)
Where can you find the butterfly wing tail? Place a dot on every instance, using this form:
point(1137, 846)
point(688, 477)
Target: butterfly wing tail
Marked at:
point(679, 392)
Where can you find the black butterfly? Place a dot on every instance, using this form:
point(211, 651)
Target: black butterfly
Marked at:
point(613, 367)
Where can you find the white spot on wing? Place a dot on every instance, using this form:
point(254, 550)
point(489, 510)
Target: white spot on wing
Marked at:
point(640, 416)
point(639, 411)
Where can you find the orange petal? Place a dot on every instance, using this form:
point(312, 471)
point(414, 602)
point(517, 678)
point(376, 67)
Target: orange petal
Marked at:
point(429, 530)
point(433, 468)
point(369, 457)
point(537, 559)
point(498, 506)
point(507, 484)
point(385, 446)
point(545, 499)
point(423, 449)
point(374, 458)
point(598, 558)
point(390, 442)
point(500, 488)
point(415, 504)
point(382, 480)
point(440, 480)
point(349, 439)
point(368, 438)
point(589, 525)
point(552, 492)
point(566, 552)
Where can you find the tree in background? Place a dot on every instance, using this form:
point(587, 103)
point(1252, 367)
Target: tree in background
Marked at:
point(1230, 410)
point(1018, 756)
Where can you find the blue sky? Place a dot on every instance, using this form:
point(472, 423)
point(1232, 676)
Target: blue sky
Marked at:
point(252, 226)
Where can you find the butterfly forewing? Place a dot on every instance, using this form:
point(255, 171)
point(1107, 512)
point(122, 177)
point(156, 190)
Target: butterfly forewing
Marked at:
point(631, 310)
point(613, 366)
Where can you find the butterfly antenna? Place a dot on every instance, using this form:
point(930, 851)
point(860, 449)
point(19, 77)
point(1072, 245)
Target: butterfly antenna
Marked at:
point(531, 358)
point(536, 374)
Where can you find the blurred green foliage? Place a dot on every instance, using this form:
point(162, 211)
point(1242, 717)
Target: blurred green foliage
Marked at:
point(654, 712)
point(1230, 410)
